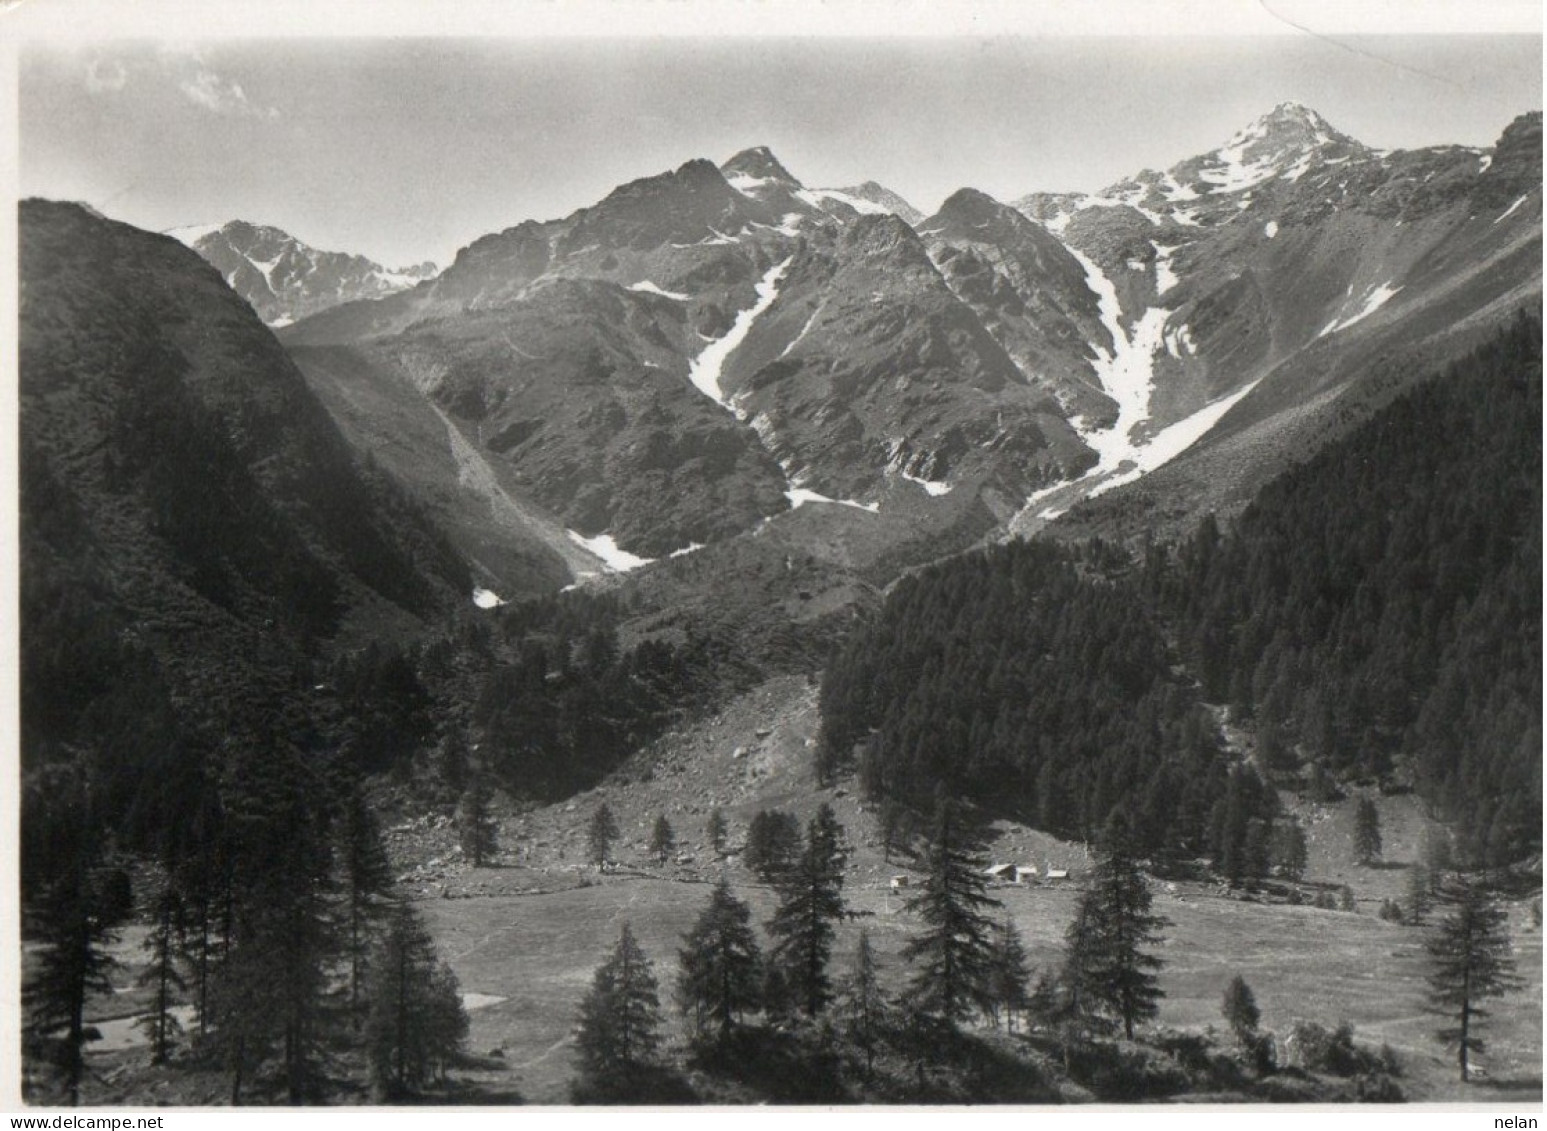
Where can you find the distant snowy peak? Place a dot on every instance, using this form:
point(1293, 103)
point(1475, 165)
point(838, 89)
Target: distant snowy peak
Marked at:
point(761, 177)
point(1285, 142)
point(874, 197)
point(755, 167)
point(284, 279)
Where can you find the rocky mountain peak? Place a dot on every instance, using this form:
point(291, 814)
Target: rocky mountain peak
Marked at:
point(970, 207)
point(757, 164)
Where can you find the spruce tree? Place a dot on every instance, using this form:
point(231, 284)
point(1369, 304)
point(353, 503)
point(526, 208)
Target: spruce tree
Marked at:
point(953, 954)
point(600, 834)
point(1469, 960)
point(620, 1017)
point(663, 840)
point(476, 828)
point(1114, 971)
point(811, 904)
point(720, 978)
point(1367, 845)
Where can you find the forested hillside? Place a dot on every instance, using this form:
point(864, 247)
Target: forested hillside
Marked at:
point(1034, 680)
point(1376, 614)
point(1377, 610)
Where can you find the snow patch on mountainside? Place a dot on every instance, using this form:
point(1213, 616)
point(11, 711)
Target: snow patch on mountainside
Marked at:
point(1510, 210)
point(645, 286)
point(933, 488)
point(613, 556)
point(817, 197)
point(1126, 374)
point(1165, 275)
point(704, 370)
point(1270, 229)
point(1172, 440)
point(1374, 299)
point(799, 496)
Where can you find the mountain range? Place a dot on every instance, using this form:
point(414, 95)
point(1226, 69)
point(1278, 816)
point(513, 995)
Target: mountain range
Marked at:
point(714, 350)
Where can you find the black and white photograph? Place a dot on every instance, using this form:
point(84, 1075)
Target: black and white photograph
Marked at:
point(812, 554)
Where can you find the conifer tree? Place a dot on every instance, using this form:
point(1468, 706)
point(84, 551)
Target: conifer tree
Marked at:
point(862, 1005)
point(416, 1021)
point(1290, 851)
point(72, 961)
point(716, 831)
point(162, 976)
point(269, 993)
point(73, 920)
point(663, 840)
point(811, 904)
point(1469, 961)
point(1420, 893)
point(620, 1017)
point(1367, 845)
point(1239, 1009)
point(773, 844)
point(720, 978)
point(953, 953)
point(600, 834)
point(1011, 978)
point(364, 882)
point(1108, 960)
point(476, 828)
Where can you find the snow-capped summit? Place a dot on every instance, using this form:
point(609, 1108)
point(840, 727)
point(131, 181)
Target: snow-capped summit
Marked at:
point(755, 168)
point(284, 279)
point(1284, 142)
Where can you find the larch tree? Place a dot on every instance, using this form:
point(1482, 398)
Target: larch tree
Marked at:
point(862, 1004)
point(1011, 977)
point(716, 831)
point(162, 975)
point(620, 1017)
point(663, 839)
point(1108, 958)
point(952, 955)
point(416, 1020)
point(810, 906)
point(1469, 961)
point(476, 828)
point(365, 879)
point(721, 973)
point(600, 834)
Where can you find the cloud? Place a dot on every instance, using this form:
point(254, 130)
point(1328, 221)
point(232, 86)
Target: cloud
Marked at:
point(202, 85)
point(106, 76)
point(221, 96)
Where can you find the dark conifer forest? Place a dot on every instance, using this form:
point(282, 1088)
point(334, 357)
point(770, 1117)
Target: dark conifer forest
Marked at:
point(1374, 615)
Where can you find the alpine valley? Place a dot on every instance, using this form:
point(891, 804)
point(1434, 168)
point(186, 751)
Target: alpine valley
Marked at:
point(1208, 504)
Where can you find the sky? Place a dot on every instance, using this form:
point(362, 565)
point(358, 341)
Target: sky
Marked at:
point(405, 149)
